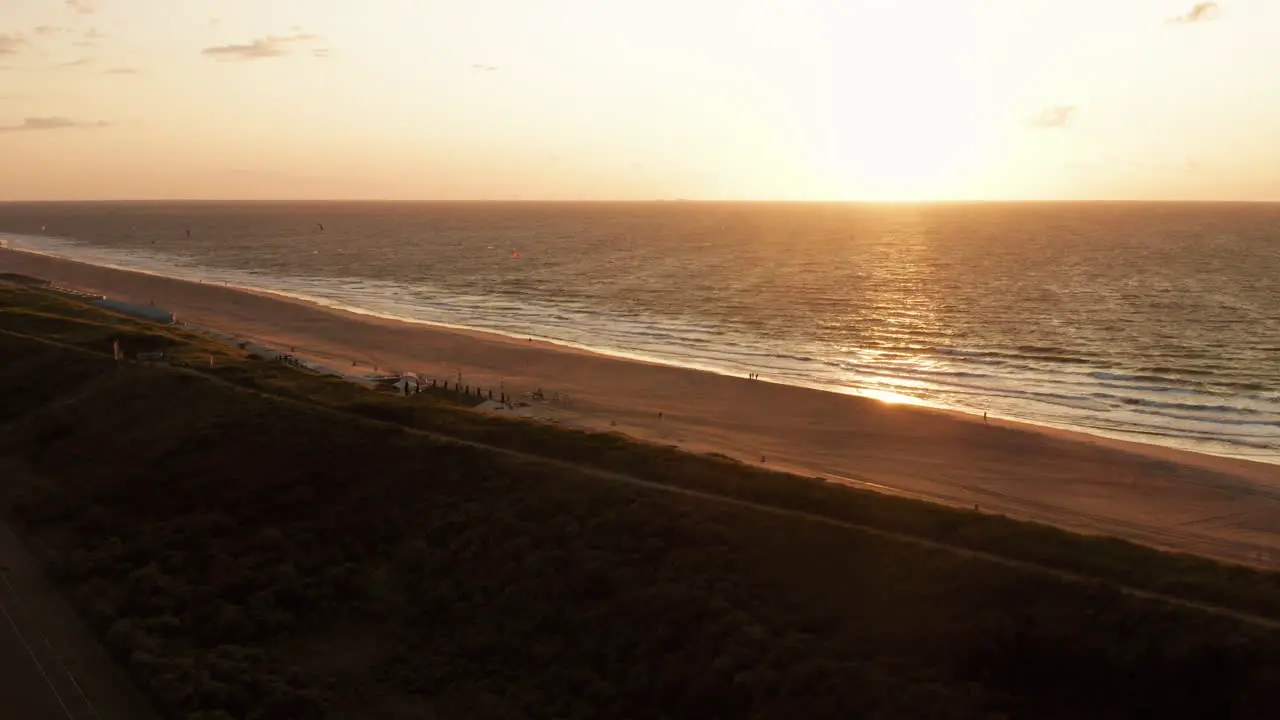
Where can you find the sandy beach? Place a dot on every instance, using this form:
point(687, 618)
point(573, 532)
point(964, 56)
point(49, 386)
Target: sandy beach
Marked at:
point(1219, 507)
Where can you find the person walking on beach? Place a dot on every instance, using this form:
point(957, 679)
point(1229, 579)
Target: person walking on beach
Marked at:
point(984, 417)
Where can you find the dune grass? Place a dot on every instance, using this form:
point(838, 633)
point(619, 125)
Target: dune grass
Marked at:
point(252, 540)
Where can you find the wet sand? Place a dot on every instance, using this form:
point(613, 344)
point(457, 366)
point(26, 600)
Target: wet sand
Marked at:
point(1219, 507)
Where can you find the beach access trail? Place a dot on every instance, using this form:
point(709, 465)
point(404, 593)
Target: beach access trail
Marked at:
point(1218, 507)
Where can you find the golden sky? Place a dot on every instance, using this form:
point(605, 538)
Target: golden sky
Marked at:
point(623, 99)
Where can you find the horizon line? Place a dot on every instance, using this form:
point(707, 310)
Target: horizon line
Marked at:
point(651, 201)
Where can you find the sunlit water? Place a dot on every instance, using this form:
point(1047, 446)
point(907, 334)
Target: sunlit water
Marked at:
point(1158, 323)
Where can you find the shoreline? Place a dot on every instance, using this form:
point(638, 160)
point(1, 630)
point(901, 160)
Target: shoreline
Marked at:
point(1135, 437)
point(1174, 498)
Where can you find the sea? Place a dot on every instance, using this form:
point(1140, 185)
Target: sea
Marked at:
point(1151, 322)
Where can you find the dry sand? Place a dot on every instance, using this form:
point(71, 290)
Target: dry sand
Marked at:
point(1224, 508)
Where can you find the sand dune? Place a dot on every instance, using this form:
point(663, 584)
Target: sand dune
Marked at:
point(1225, 508)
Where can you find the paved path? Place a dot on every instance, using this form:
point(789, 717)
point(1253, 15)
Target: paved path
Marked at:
point(27, 692)
point(35, 681)
point(51, 666)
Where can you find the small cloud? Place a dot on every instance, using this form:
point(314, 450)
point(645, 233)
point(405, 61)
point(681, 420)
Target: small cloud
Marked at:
point(51, 123)
point(1200, 12)
point(266, 47)
point(1053, 116)
point(90, 38)
point(122, 71)
point(1193, 166)
point(47, 30)
point(84, 7)
point(483, 68)
point(76, 63)
point(321, 52)
point(12, 44)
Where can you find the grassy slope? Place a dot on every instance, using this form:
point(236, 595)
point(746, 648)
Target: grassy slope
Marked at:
point(266, 558)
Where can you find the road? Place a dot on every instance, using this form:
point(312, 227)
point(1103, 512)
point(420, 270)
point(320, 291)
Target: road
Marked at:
point(34, 684)
point(51, 666)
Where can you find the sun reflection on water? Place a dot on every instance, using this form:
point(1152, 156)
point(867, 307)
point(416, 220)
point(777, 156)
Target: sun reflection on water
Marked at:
point(888, 396)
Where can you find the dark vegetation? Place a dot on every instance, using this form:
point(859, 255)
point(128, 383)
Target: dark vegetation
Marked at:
point(254, 541)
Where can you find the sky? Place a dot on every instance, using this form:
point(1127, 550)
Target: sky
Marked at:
point(858, 100)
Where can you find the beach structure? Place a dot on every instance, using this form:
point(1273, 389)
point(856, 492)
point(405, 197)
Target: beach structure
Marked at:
point(144, 312)
point(77, 294)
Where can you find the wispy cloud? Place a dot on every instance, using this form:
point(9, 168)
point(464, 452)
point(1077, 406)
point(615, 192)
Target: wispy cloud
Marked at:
point(51, 123)
point(1200, 12)
point(47, 30)
point(265, 47)
point(122, 71)
point(90, 38)
point(1053, 116)
point(321, 52)
point(12, 44)
point(81, 62)
point(478, 67)
point(84, 7)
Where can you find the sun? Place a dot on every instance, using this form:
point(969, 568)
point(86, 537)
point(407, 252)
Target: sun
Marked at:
point(896, 148)
point(904, 112)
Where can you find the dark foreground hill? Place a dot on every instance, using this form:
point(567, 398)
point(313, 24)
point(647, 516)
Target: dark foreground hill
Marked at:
point(254, 542)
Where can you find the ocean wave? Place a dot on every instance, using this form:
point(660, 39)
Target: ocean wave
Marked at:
point(1255, 442)
point(977, 355)
point(1215, 420)
point(1165, 370)
point(1179, 406)
point(899, 370)
point(1158, 389)
point(1125, 377)
point(1241, 385)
